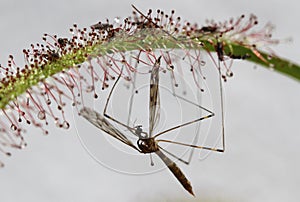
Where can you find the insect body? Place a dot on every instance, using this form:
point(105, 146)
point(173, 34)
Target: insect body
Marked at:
point(147, 143)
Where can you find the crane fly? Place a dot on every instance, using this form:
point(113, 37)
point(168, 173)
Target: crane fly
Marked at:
point(147, 142)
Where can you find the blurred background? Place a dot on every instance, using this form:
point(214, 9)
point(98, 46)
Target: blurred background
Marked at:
point(261, 161)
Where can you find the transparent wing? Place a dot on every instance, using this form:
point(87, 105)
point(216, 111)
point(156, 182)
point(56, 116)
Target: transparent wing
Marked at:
point(100, 122)
point(154, 101)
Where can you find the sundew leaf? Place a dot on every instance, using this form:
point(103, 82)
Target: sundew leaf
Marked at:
point(28, 94)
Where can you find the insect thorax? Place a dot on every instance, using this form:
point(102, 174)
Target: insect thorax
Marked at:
point(147, 145)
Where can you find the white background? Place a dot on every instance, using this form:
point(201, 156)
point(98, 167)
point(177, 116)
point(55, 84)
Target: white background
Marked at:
point(262, 116)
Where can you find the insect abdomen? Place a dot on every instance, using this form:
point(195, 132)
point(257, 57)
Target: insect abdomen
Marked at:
point(176, 171)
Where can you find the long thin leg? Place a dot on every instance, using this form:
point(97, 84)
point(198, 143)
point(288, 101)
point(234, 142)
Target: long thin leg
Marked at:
point(211, 114)
point(222, 107)
point(194, 121)
point(174, 156)
point(132, 95)
point(190, 145)
point(192, 103)
point(185, 124)
point(132, 130)
point(200, 119)
point(196, 137)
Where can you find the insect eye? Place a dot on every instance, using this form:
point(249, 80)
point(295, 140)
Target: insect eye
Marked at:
point(142, 143)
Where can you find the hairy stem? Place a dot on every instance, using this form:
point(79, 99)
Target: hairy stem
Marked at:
point(70, 60)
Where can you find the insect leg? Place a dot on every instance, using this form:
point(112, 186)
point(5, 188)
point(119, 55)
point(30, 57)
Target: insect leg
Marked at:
point(131, 129)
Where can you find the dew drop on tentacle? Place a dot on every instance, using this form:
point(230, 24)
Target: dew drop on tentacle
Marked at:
point(58, 124)
point(48, 102)
point(42, 115)
point(22, 145)
point(89, 89)
point(13, 127)
point(229, 73)
point(66, 125)
point(224, 78)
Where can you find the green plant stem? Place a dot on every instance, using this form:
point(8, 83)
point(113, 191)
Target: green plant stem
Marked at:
point(14, 89)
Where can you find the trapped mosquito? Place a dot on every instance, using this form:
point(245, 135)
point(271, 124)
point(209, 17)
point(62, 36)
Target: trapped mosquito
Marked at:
point(147, 142)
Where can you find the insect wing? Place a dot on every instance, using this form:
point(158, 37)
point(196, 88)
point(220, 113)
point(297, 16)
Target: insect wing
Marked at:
point(154, 102)
point(100, 122)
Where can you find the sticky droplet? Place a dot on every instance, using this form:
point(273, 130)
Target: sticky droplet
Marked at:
point(229, 73)
point(66, 125)
point(13, 127)
point(48, 102)
point(42, 115)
